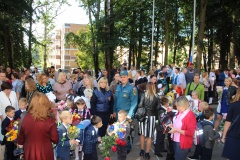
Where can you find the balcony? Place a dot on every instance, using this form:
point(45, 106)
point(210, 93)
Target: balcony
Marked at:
point(67, 57)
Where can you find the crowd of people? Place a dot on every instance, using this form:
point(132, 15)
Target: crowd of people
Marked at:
point(175, 101)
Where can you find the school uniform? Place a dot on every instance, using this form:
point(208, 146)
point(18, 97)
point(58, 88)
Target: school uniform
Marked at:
point(63, 146)
point(18, 114)
point(9, 145)
point(84, 113)
point(90, 142)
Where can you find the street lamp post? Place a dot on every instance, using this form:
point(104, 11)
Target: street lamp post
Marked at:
point(152, 33)
point(193, 37)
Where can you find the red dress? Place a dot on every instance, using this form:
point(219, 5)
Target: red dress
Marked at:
point(37, 137)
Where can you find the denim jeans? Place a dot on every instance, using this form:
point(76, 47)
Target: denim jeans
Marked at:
point(180, 154)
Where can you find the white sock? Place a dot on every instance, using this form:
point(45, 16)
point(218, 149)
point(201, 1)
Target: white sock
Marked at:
point(210, 100)
point(76, 152)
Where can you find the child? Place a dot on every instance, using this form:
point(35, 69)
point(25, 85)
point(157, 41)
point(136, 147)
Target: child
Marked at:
point(70, 105)
point(173, 94)
point(198, 149)
point(82, 109)
point(70, 95)
point(10, 112)
point(163, 81)
point(91, 138)
point(210, 135)
point(122, 150)
point(195, 101)
point(22, 108)
point(161, 88)
point(64, 143)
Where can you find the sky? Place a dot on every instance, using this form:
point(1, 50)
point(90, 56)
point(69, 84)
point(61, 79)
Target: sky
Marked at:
point(72, 14)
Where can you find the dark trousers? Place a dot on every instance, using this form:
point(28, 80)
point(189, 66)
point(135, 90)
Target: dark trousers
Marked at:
point(105, 121)
point(206, 154)
point(92, 156)
point(122, 152)
point(170, 150)
point(159, 146)
point(9, 150)
point(198, 151)
point(180, 154)
point(206, 96)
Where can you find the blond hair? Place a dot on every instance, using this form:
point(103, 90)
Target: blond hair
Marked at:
point(203, 105)
point(39, 78)
point(90, 80)
point(204, 74)
point(64, 114)
point(229, 79)
point(150, 90)
point(195, 92)
point(59, 79)
point(23, 100)
point(123, 112)
point(182, 101)
point(31, 85)
point(103, 79)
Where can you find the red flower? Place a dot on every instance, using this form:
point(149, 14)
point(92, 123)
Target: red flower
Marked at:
point(123, 143)
point(107, 158)
point(118, 141)
point(114, 148)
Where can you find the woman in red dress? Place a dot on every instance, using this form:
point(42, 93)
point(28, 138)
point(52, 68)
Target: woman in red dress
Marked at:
point(38, 130)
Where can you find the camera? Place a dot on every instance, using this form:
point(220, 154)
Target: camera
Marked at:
point(168, 129)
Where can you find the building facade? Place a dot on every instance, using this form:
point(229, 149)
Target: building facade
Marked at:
point(61, 54)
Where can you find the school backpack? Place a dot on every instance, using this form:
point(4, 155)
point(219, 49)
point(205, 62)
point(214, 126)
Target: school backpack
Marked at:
point(198, 138)
point(164, 120)
point(82, 126)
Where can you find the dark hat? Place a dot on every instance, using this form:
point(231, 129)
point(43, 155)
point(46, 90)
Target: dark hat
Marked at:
point(124, 73)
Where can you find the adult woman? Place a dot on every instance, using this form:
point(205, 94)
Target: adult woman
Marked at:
point(62, 87)
point(150, 101)
point(183, 129)
point(231, 132)
point(31, 89)
point(88, 88)
point(38, 130)
point(7, 98)
point(228, 92)
point(102, 104)
point(43, 84)
point(206, 85)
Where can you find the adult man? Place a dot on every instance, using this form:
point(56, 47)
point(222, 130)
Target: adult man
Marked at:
point(126, 98)
point(195, 86)
point(106, 75)
point(55, 73)
point(2, 78)
point(133, 71)
point(222, 77)
point(181, 82)
point(175, 76)
point(190, 73)
point(142, 87)
point(138, 78)
point(113, 72)
point(17, 84)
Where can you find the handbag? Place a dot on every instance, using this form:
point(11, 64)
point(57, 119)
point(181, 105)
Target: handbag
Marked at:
point(19, 151)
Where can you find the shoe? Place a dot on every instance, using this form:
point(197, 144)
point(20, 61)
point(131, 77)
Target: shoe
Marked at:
point(147, 156)
point(159, 154)
point(193, 157)
point(128, 151)
point(142, 152)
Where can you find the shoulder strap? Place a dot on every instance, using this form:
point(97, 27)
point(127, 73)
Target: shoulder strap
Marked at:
point(196, 87)
point(21, 120)
point(189, 86)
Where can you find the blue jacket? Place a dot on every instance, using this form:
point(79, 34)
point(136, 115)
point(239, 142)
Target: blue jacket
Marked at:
point(90, 140)
point(63, 146)
point(103, 104)
point(221, 79)
point(18, 114)
point(126, 98)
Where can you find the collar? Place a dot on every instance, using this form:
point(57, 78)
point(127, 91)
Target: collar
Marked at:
point(208, 121)
point(96, 129)
point(123, 121)
point(139, 77)
point(23, 110)
point(10, 118)
point(164, 108)
point(65, 126)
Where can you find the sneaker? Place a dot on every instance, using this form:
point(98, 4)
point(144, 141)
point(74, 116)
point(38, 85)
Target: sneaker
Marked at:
point(147, 156)
point(193, 157)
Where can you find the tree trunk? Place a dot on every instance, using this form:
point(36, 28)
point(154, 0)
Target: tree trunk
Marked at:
point(201, 33)
point(166, 33)
point(106, 35)
point(210, 48)
point(157, 42)
point(6, 46)
point(111, 35)
point(132, 34)
point(30, 36)
point(140, 38)
point(234, 40)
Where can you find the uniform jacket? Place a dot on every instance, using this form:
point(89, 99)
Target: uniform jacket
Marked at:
point(90, 140)
point(126, 98)
point(63, 146)
point(5, 124)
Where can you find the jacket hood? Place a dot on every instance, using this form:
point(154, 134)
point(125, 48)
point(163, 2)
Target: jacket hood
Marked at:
point(205, 122)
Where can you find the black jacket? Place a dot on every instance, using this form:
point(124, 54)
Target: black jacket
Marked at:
point(151, 105)
point(232, 90)
point(5, 124)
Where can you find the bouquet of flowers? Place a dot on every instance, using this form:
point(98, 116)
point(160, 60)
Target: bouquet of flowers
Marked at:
point(223, 122)
point(12, 130)
point(76, 119)
point(219, 90)
point(73, 133)
point(61, 106)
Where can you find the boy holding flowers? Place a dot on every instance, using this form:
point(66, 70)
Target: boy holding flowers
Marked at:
point(64, 143)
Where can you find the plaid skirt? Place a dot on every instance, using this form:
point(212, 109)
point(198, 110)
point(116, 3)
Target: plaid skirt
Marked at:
point(147, 127)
